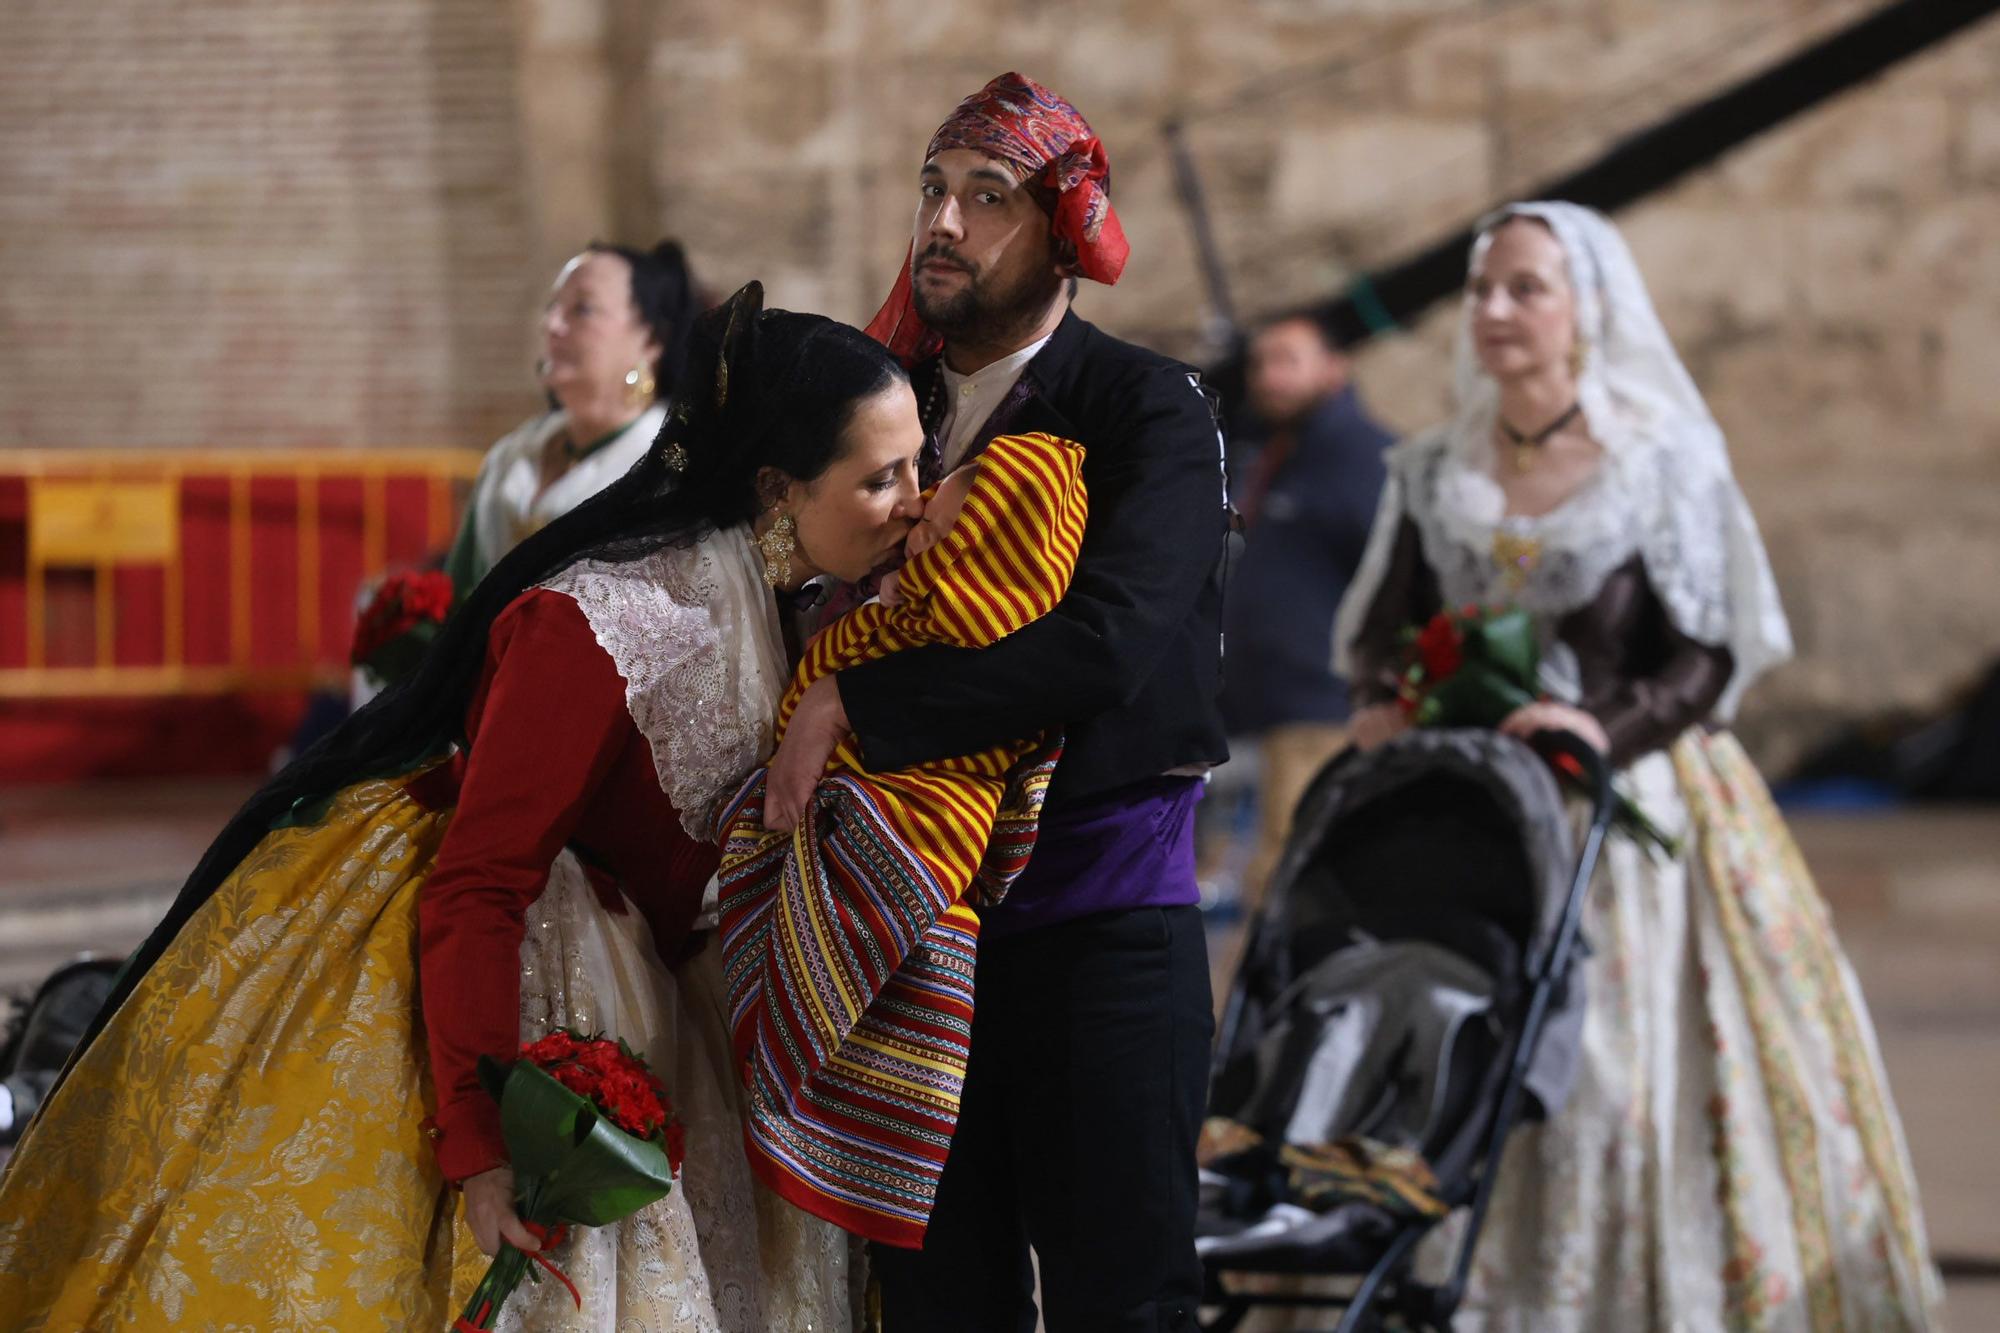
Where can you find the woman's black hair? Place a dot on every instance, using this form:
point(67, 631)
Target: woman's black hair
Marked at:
point(765, 389)
point(663, 292)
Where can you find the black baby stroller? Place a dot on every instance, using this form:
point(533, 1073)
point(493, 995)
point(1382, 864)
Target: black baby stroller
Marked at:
point(1405, 1000)
point(42, 1035)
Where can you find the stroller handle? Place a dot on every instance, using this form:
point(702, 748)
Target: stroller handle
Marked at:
point(1594, 766)
point(1548, 973)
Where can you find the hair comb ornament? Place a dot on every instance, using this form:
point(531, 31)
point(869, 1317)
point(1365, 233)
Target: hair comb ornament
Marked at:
point(673, 453)
point(740, 314)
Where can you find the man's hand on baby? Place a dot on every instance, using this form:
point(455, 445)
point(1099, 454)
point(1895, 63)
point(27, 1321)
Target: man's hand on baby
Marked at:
point(817, 727)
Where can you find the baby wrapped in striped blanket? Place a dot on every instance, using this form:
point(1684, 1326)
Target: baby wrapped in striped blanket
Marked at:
point(848, 943)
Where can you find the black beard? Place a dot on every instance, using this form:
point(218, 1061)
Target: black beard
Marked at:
point(1292, 418)
point(977, 312)
point(958, 313)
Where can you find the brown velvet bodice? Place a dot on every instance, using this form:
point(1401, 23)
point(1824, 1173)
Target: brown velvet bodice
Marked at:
point(1642, 679)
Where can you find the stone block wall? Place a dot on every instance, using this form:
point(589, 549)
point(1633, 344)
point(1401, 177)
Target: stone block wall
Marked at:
point(225, 223)
point(1833, 285)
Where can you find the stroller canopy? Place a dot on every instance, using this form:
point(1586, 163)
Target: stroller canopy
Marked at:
point(1459, 839)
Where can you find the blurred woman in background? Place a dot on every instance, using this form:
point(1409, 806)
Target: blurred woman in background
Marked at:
point(614, 343)
point(1730, 1157)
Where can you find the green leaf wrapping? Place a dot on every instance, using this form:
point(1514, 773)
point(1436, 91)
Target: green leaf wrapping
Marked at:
point(1498, 675)
point(398, 658)
point(1508, 643)
point(585, 1170)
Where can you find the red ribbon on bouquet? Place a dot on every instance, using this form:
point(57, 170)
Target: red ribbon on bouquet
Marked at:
point(550, 1237)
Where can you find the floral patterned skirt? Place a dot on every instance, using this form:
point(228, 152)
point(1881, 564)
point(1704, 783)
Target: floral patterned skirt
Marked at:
point(242, 1147)
point(1730, 1158)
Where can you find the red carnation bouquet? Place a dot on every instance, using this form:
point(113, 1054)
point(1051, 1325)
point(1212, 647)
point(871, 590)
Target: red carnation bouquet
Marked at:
point(592, 1139)
point(1474, 667)
point(1469, 668)
point(399, 622)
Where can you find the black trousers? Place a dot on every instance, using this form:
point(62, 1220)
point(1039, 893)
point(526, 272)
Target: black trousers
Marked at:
point(1084, 1095)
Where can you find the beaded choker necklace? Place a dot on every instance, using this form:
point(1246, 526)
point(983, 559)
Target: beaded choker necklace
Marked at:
point(1525, 446)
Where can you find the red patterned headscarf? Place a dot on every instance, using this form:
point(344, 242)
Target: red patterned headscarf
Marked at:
point(1049, 142)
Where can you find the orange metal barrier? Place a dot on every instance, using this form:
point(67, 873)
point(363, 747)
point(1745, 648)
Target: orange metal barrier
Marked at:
point(216, 531)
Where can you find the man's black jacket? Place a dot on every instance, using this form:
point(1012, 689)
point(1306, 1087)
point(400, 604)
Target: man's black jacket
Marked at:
point(1129, 663)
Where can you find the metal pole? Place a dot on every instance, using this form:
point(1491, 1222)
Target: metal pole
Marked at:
point(1223, 328)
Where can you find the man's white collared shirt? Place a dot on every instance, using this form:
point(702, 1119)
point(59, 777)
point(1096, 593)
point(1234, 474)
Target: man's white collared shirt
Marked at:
point(971, 399)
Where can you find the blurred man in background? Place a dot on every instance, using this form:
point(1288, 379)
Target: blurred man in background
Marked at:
point(1307, 487)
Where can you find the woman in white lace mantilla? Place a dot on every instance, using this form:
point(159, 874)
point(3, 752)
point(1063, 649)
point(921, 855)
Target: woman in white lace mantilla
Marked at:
point(1730, 1157)
point(265, 1128)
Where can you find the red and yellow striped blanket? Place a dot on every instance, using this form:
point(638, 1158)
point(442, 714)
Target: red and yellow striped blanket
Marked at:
point(848, 944)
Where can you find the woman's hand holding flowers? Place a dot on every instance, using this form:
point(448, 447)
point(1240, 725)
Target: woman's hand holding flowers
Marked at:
point(1525, 721)
point(489, 1211)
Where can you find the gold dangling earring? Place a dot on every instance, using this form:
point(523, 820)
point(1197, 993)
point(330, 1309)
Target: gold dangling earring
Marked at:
point(778, 543)
point(640, 386)
point(1579, 352)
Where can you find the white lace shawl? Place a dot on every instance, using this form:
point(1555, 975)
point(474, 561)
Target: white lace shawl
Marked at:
point(694, 633)
point(1664, 490)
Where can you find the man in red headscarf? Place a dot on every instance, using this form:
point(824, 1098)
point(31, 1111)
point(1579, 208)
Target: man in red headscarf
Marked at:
point(1088, 1067)
point(968, 276)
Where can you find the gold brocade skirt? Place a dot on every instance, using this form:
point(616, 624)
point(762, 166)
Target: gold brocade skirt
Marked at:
point(242, 1146)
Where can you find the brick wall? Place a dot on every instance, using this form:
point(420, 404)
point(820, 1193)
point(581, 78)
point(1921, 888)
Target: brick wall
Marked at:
point(260, 223)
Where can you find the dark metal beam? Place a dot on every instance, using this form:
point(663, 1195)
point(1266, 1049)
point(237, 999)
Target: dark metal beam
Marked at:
point(1652, 159)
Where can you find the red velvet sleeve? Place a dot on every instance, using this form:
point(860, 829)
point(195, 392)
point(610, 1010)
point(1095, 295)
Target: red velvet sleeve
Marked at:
point(548, 721)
